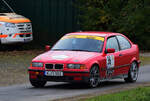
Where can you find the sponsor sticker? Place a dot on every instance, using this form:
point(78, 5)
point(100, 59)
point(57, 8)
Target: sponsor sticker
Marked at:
point(83, 37)
point(59, 57)
point(39, 59)
point(110, 61)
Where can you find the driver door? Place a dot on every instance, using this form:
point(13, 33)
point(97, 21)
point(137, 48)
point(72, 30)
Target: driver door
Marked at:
point(112, 59)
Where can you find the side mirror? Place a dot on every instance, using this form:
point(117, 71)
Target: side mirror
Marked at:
point(110, 50)
point(47, 48)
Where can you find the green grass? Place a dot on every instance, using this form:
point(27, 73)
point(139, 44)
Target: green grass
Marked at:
point(138, 94)
point(145, 60)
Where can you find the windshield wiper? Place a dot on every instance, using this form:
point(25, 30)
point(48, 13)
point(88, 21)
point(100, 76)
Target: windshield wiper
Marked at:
point(59, 49)
point(71, 50)
point(79, 50)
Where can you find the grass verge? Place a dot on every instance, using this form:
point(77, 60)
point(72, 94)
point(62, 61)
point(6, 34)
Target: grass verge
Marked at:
point(137, 94)
point(145, 60)
point(14, 65)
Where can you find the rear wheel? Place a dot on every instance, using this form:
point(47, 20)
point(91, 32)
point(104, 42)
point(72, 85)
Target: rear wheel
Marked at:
point(38, 84)
point(94, 76)
point(133, 73)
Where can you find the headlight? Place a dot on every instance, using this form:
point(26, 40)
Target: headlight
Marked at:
point(37, 64)
point(12, 25)
point(2, 23)
point(76, 66)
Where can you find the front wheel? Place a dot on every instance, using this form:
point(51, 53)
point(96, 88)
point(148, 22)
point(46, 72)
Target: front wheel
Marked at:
point(94, 76)
point(38, 84)
point(133, 73)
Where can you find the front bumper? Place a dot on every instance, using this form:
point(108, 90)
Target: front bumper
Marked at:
point(17, 39)
point(69, 76)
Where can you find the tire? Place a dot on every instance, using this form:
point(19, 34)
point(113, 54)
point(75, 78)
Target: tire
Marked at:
point(132, 74)
point(94, 76)
point(38, 84)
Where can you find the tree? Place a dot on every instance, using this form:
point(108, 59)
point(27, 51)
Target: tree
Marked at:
point(130, 17)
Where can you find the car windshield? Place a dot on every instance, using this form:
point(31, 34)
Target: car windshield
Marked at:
point(79, 43)
point(4, 8)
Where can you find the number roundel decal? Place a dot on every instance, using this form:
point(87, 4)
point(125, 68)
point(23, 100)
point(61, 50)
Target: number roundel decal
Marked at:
point(110, 61)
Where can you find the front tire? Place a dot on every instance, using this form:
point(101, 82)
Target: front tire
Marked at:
point(38, 84)
point(132, 74)
point(94, 76)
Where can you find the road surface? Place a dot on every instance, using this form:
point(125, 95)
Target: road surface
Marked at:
point(54, 90)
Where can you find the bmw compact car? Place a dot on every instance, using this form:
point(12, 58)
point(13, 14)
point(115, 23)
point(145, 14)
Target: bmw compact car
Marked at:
point(89, 57)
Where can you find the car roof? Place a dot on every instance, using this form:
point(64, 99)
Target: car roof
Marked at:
point(96, 33)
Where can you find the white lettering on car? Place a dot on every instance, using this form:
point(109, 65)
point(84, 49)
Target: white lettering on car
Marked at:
point(59, 57)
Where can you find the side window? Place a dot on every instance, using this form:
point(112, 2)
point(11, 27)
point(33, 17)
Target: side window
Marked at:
point(112, 43)
point(123, 42)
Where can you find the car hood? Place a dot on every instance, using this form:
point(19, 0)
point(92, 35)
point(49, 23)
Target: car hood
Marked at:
point(65, 56)
point(12, 18)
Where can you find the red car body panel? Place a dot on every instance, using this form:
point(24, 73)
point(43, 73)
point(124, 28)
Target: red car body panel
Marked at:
point(121, 64)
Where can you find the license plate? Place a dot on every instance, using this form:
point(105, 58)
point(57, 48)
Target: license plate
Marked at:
point(54, 73)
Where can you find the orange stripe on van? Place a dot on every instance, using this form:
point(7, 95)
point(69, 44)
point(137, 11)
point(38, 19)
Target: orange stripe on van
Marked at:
point(5, 19)
point(3, 36)
point(20, 34)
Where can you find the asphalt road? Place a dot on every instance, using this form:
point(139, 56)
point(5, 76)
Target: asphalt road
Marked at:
point(55, 90)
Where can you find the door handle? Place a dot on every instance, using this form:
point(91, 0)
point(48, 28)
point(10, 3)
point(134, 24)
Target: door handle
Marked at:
point(120, 54)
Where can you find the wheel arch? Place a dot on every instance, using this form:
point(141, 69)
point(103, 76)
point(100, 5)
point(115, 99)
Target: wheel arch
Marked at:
point(136, 61)
point(94, 63)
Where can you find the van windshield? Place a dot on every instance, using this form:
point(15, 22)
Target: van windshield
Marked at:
point(4, 8)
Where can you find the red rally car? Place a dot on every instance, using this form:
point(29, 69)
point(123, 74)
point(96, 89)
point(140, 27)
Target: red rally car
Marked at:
point(90, 57)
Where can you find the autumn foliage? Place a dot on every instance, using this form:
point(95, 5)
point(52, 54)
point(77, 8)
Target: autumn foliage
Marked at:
point(130, 17)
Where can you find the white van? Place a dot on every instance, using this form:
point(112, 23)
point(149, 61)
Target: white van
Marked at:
point(14, 28)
